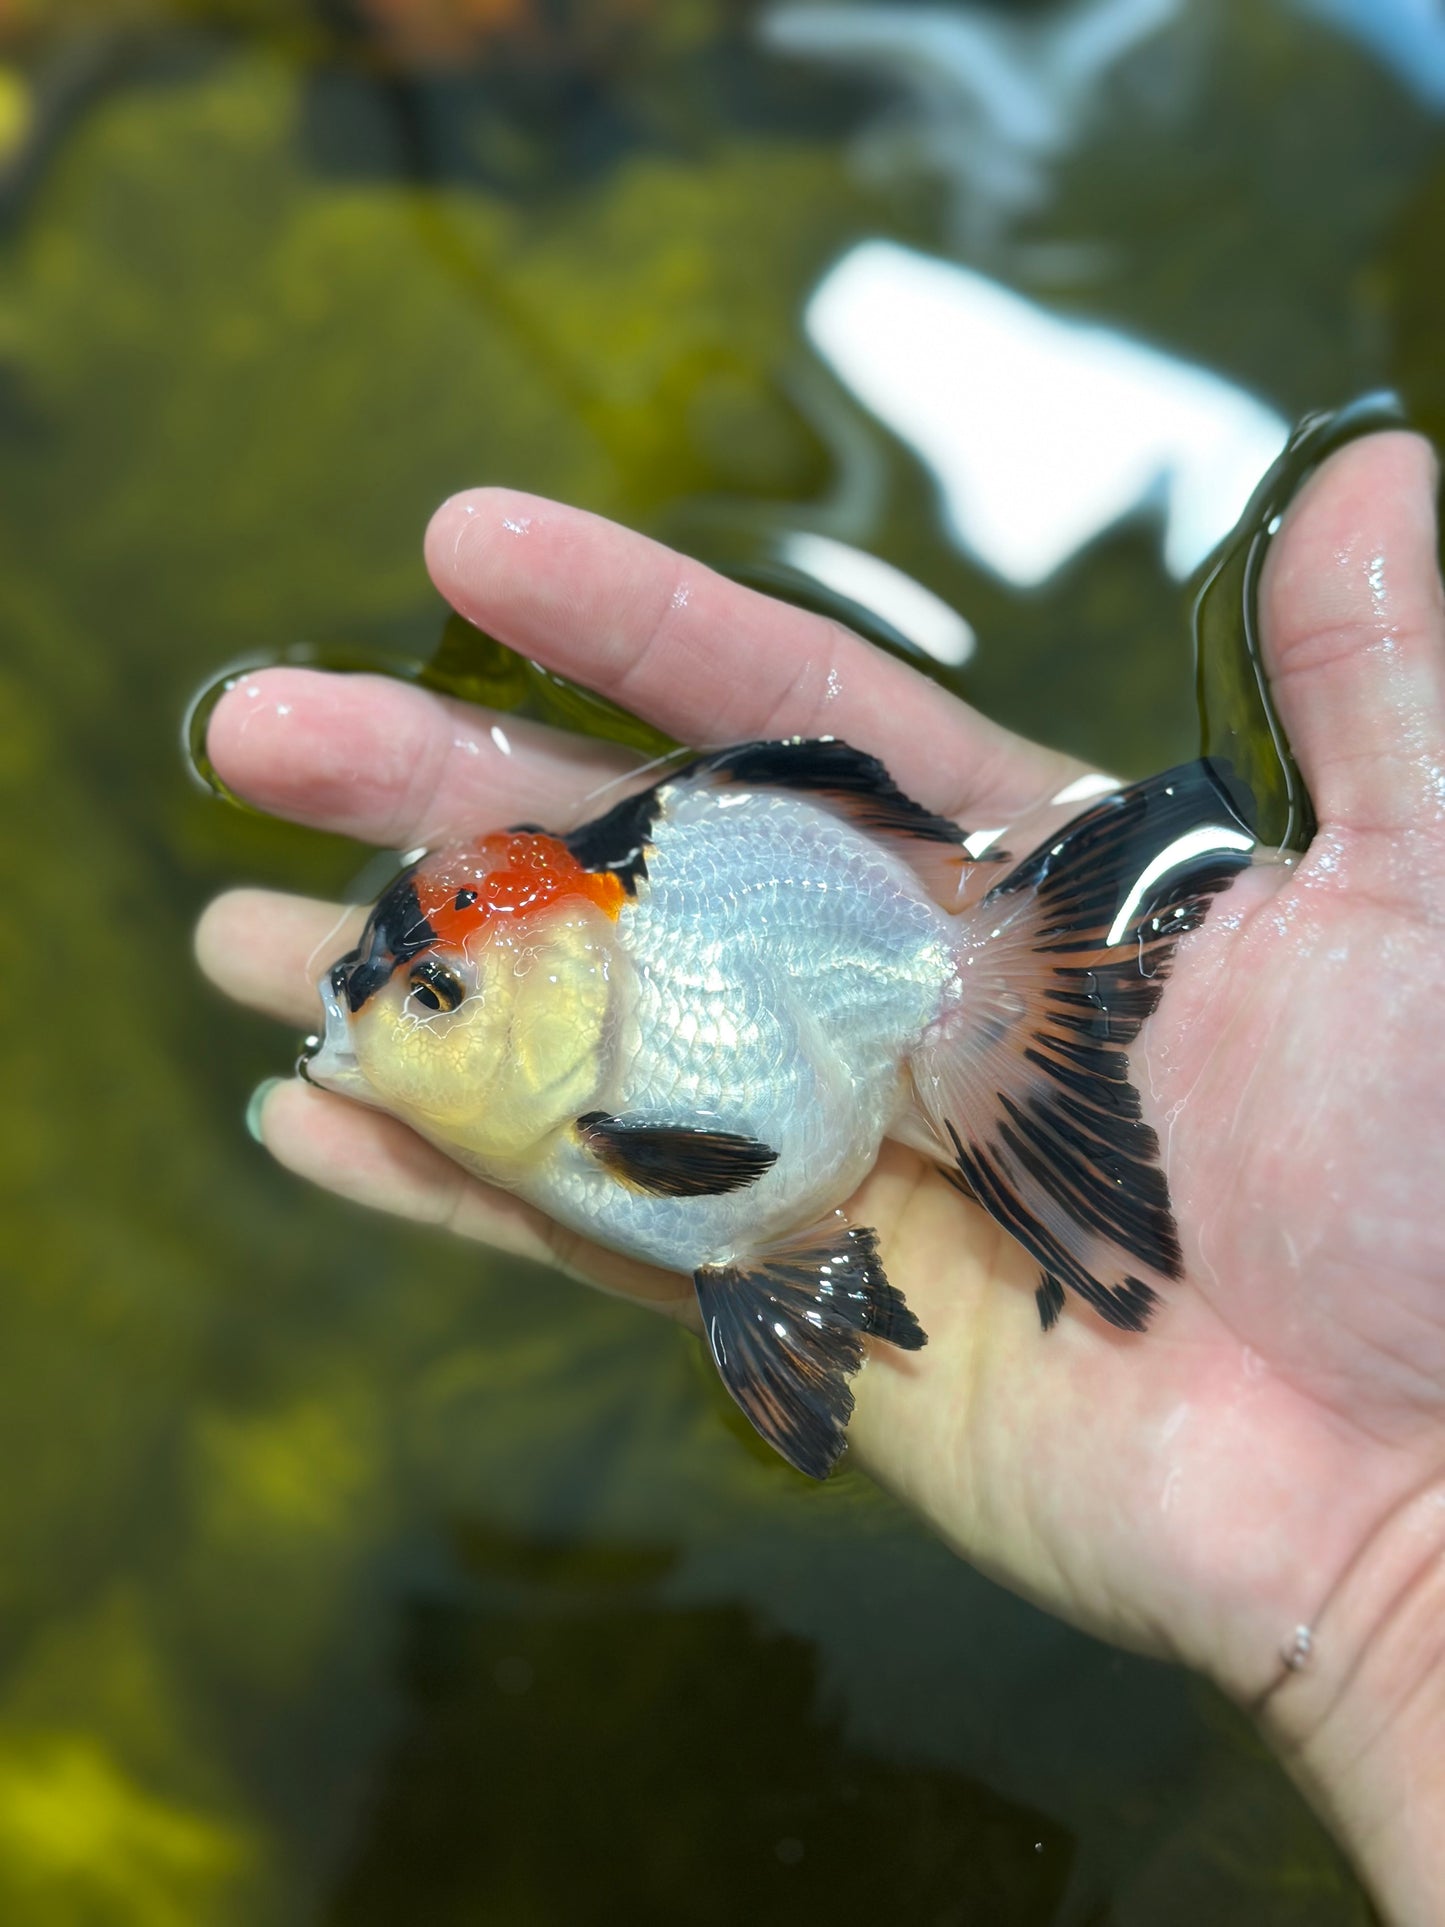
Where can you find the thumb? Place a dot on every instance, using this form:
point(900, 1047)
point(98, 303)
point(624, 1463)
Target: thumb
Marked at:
point(1354, 637)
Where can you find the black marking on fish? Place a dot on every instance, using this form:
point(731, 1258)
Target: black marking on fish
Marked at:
point(618, 841)
point(951, 1175)
point(1126, 1303)
point(464, 899)
point(1067, 1163)
point(674, 1160)
point(787, 1332)
point(395, 932)
point(1050, 1300)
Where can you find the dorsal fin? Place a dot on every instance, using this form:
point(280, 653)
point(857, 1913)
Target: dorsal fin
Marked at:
point(845, 780)
point(854, 783)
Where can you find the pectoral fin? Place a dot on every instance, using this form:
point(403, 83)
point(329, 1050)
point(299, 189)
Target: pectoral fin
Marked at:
point(674, 1160)
point(787, 1332)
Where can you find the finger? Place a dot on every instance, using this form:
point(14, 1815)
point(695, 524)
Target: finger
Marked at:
point(1354, 636)
point(268, 950)
point(373, 1160)
point(386, 762)
point(711, 662)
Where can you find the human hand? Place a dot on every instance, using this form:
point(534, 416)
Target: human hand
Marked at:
point(1272, 1454)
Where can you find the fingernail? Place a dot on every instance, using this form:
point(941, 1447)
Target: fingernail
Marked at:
point(258, 1104)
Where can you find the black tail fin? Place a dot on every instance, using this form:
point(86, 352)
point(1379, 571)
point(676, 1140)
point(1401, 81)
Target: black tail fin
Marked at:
point(1028, 1086)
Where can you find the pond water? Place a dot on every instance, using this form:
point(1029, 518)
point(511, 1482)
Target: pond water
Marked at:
point(346, 1577)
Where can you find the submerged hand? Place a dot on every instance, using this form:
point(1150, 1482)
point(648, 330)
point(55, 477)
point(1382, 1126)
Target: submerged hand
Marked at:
point(1271, 1457)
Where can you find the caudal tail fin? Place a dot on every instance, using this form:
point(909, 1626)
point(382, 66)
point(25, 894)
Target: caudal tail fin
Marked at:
point(1027, 1084)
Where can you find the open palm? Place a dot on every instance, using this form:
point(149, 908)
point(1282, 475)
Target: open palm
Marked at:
point(1276, 1439)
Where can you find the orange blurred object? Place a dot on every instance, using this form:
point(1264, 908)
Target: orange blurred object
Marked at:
point(450, 29)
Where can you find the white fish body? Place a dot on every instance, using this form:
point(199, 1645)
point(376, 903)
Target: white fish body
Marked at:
point(785, 968)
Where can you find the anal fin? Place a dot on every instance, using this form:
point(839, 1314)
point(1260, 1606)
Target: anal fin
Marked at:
point(787, 1331)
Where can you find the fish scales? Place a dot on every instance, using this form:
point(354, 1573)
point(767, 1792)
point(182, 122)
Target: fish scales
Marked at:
point(723, 907)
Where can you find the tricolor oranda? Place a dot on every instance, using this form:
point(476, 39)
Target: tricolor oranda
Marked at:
point(685, 1029)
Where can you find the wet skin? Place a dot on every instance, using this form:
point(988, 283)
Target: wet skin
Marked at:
point(1271, 1455)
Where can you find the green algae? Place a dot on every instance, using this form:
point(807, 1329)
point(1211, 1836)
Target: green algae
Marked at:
point(298, 1497)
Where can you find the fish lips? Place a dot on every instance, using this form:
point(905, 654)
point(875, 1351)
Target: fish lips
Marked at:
point(396, 931)
point(330, 1060)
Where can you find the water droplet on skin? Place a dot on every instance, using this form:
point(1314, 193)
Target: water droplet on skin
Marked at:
point(499, 737)
point(253, 691)
point(516, 525)
point(680, 596)
point(1175, 1419)
point(469, 509)
point(1299, 1649)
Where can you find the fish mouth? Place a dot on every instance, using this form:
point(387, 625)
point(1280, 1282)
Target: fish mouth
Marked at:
point(329, 1061)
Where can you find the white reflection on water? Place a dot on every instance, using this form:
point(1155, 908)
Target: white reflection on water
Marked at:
point(1041, 432)
point(993, 102)
point(915, 612)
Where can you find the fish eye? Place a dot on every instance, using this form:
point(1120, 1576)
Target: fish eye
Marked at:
point(434, 986)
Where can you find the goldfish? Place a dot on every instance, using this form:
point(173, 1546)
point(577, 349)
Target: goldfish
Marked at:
point(685, 1029)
